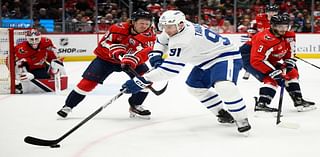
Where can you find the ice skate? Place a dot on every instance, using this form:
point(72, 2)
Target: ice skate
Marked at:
point(19, 89)
point(303, 105)
point(261, 109)
point(64, 111)
point(225, 117)
point(139, 112)
point(260, 106)
point(243, 126)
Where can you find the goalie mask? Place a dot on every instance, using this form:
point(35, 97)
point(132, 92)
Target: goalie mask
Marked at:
point(33, 37)
point(172, 18)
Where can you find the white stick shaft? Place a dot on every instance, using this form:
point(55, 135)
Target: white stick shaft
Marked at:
point(57, 83)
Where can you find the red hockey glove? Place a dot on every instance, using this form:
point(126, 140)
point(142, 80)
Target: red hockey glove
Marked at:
point(117, 50)
point(129, 60)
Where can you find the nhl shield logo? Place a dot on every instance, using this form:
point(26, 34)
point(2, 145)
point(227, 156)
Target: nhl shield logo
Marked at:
point(64, 41)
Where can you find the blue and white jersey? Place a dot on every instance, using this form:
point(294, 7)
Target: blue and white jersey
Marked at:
point(194, 45)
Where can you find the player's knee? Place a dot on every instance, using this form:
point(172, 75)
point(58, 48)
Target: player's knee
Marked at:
point(197, 92)
point(227, 90)
point(85, 86)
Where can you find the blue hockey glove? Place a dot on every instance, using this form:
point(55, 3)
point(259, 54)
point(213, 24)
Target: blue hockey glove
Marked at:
point(135, 85)
point(155, 58)
point(290, 64)
point(276, 74)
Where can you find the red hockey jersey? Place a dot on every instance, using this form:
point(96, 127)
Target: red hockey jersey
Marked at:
point(262, 22)
point(36, 58)
point(137, 44)
point(267, 50)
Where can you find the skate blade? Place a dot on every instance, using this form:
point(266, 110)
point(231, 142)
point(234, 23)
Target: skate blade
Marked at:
point(245, 134)
point(305, 109)
point(288, 125)
point(136, 116)
point(262, 114)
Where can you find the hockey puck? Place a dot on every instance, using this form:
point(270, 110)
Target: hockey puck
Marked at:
point(55, 146)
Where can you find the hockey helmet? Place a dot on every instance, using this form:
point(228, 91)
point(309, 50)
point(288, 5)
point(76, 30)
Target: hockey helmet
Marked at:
point(141, 14)
point(280, 19)
point(272, 8)
point(172, 17)
point(33, 37)
point(280, 24)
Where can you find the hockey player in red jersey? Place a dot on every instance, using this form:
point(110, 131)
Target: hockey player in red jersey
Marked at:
point(270, 61)
point(125, 44)
point(263, 20)
point(37, 63)
point(261, 23)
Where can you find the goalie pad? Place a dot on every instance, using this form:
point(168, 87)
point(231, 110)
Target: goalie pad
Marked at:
point(43, 85)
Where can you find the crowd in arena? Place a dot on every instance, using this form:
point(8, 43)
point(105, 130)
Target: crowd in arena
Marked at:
point(216, 14)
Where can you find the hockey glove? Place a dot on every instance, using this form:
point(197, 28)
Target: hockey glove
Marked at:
point(116, 51)
point(290, 64)
point(155, 58)
point(276, 75)
point(135, 85)
point(129, 60)
point(56, 66)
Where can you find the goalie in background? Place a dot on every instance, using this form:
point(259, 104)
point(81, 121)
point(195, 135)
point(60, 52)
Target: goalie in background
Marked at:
point(38, 68)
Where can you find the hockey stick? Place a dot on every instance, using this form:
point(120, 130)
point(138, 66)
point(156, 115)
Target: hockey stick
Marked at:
point(54, 143)
point(307, 62)
point(279, 122)
point(159, 92)
point(57, 82)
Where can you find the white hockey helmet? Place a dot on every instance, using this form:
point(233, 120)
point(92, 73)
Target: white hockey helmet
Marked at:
point(33, 37)
point(172, 17)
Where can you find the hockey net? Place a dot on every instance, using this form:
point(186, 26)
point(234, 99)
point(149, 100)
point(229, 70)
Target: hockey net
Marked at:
point(8, 39)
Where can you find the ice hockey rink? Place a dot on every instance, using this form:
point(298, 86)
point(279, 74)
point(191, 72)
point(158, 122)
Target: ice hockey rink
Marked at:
point(179, 126)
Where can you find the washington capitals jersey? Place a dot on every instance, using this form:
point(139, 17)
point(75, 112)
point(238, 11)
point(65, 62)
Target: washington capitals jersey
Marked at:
point(36, 58)
point(195, 45)
point(119, 34)
point(267, 50)
point(262, 22)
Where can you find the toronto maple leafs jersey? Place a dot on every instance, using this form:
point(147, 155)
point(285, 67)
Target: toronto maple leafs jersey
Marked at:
point(194, 45)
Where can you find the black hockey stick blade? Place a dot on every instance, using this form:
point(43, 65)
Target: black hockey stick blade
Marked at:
point(130, 70)
point(52, 143)
point(159, 92)
point(40, 142)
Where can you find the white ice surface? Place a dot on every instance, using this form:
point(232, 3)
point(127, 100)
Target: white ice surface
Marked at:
point(179, 127)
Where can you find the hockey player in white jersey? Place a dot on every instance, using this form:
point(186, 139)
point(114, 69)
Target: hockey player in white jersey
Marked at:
point(216, 61)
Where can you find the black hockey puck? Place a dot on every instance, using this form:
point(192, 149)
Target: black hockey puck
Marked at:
point(55, 146)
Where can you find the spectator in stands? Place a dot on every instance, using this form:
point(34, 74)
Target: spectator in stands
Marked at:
point(317, 26)
point(245, 24)
point(307, 27)
point(103, 25)
point(43, 14)
point(227, 27)
point(38, 26)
